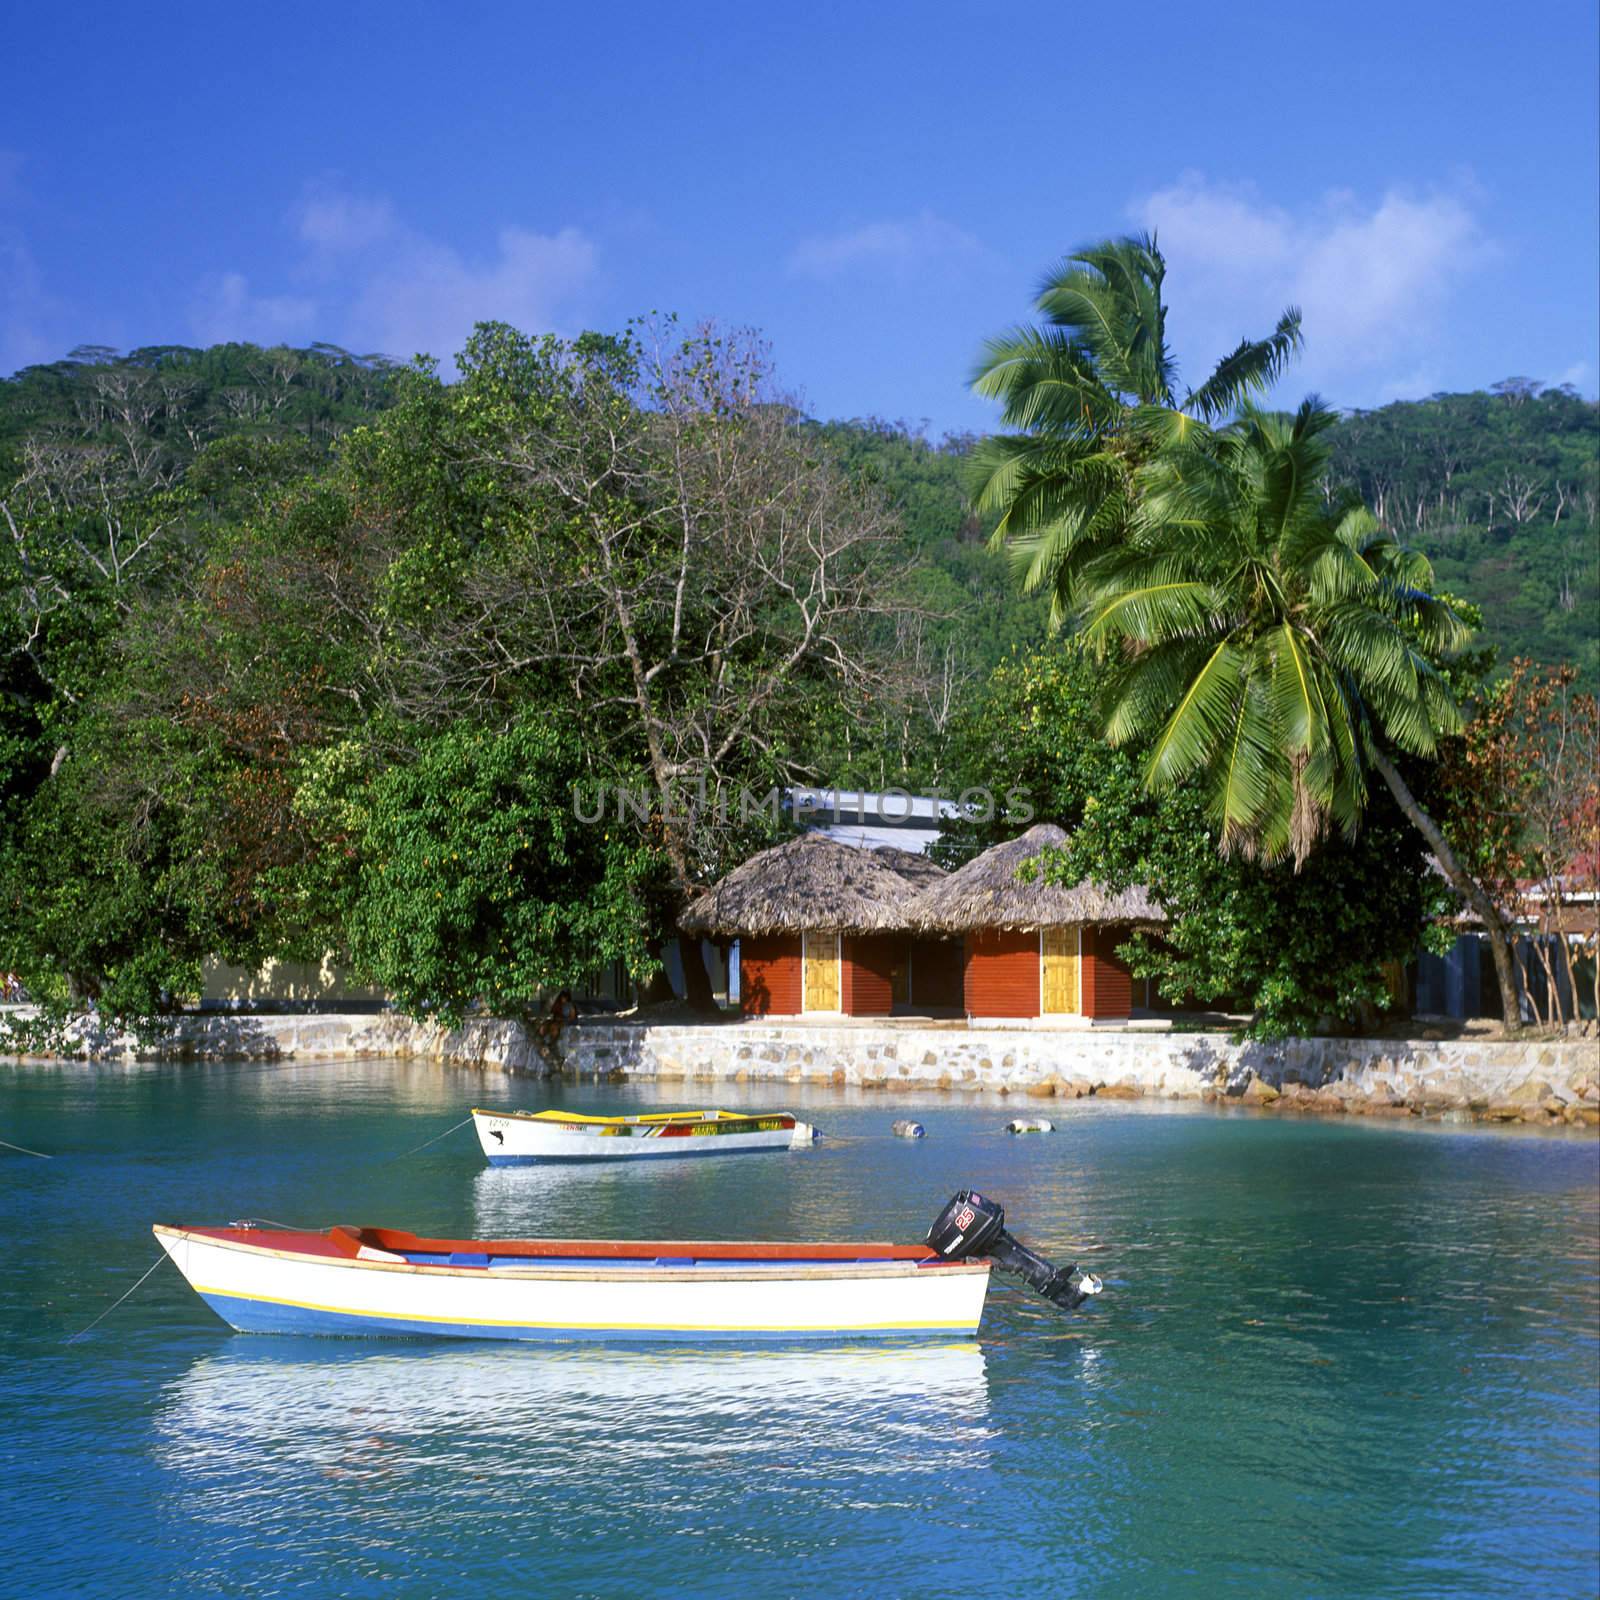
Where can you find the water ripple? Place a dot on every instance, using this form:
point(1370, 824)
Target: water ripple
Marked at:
point(1332, 1360)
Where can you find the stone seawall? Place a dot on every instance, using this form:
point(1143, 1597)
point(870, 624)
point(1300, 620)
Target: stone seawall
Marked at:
point(1489, 1080)
point(318, 1036)
point(1540, 1081)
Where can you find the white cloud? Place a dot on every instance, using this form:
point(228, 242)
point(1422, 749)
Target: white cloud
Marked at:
point(24, 310)
point(1580, 375)
point(332, 220)
point(1372, 280)
point(28, 311)
point(10, 176)
point(916, 245)
point(427, 297)
point(224, 309)
point(366, 279)
point(1417, 384)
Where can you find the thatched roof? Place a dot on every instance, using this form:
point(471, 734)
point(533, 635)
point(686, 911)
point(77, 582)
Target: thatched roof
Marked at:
point(918, 870)
point(813, 882)
point(986, 893)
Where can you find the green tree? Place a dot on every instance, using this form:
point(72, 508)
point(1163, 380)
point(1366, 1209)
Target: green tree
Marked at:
point(122, 873)
point(1299, 949)
point(474, 881)
point(1270, 647)
point(1502, 492)
point(1085, 399)
point(634, 531)
point(625, 536)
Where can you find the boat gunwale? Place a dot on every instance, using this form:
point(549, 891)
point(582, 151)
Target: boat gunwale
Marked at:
point(850, 1271)
point(582, 1122)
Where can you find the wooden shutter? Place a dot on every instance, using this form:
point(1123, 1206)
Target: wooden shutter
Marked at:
point(1058, 955)
point(822, 972)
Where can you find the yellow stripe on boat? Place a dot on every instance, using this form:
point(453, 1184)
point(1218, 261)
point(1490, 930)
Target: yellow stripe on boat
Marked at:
point(651, 1116)
point(584, 1327)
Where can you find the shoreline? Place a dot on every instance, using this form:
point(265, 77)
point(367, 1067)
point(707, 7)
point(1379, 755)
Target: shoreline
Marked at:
point(1538, 1083)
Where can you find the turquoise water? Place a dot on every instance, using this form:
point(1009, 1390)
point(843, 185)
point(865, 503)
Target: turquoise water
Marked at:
point(1332, 1360)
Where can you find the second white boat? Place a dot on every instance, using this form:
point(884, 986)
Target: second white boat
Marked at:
point(523, 1138)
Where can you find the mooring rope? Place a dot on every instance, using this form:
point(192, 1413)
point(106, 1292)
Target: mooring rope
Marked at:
point(900, 1138)
point(426, 1142)
point(117, 1302)
point(25, 1150)
point(455, 1127)
point(241, 1222)
point(360, 1166)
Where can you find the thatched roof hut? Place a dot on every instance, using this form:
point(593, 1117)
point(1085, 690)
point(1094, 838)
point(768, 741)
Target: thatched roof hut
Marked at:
point(813, 883)
point(987, 893)
point(920, 871)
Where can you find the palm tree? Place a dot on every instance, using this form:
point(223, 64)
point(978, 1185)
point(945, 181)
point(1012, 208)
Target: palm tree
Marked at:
point(1270, 646)
point(1086, 398)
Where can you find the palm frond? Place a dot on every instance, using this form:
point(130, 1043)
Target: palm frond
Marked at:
point(1044, 380)
point(1196, 730)
point(1143, 687)
point(1298, 709)
point(1108, 295)
point(1165, 428)
point(1251, 368)
point(1005, 466)
point(1245, 783)
point(1038, 496)
point(1156, 610)
point(1262, 642)
point(1358, 529)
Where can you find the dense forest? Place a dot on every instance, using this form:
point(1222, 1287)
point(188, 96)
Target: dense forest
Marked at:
point(298, 645)
point(1500, 488)
point(164, 402)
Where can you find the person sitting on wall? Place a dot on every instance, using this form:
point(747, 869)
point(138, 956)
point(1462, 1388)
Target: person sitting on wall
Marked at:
point(562, 1011)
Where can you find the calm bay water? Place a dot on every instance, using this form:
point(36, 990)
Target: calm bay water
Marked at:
point(1332, 1360)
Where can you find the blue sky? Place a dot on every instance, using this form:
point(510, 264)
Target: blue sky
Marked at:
point(875, 186)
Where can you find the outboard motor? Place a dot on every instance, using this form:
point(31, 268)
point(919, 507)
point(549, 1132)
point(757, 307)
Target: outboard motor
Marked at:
point(973, 1225)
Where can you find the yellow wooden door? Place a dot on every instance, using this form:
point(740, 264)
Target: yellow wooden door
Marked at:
point(1058, 958)
point(821, 972)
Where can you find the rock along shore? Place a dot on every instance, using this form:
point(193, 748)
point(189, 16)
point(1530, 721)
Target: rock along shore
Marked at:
point(1537, 1082)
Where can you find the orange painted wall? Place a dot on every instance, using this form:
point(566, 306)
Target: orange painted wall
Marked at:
point(865, 981)
point(769, 975)
point(1107, 983)
point(1002, 974)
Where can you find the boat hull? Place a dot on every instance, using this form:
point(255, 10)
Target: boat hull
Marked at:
point(257, 1289)
point(510, 1139)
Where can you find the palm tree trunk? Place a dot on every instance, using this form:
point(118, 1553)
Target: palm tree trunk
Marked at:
point(1465, 884)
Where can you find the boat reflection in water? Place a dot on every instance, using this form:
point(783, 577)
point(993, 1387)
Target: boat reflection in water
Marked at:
point(264, 1424)
point(527, 1202)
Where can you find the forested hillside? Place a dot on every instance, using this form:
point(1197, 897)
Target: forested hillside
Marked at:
point(156, 407)
point(1501, 489)
point(302, 651)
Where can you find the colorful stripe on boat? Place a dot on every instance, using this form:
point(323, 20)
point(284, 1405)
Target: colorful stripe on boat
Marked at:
point(264, 1314)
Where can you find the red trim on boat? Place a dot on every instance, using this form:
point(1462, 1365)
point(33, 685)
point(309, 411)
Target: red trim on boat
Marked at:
point(340, 1242)
point(344, 1242)
point(755, 1123)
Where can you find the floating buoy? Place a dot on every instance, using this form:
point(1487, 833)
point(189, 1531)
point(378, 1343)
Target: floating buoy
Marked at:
point(908, 1130)
point(1030, 1125)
